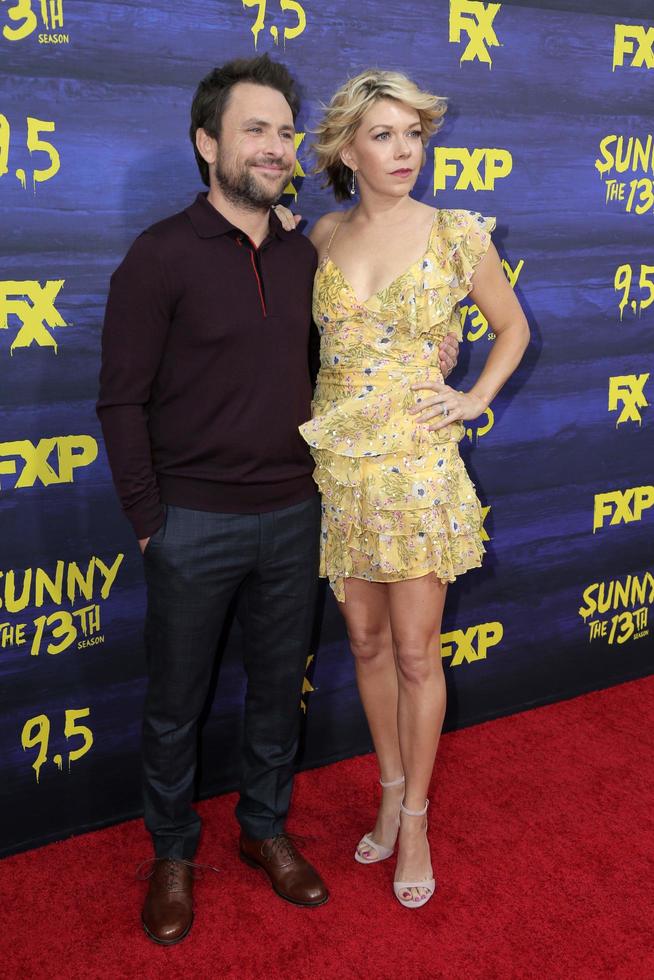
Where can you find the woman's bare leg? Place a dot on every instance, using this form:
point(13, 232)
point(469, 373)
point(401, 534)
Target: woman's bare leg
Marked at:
point(369, 631)
point(416, 611)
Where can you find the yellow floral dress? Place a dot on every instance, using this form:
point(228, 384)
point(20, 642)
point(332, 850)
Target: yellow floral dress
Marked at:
point(397, 500)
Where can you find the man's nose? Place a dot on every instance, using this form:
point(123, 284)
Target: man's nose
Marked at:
point(276, 146)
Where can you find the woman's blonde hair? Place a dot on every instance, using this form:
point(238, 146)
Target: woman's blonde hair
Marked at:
point(346, 110)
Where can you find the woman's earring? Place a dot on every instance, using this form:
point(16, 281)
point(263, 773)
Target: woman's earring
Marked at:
point(353, 184)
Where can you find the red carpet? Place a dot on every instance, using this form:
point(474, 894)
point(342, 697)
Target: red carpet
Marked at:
point(542, 842)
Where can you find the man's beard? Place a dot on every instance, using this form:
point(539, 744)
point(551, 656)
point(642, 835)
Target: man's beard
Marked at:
point(241, 188)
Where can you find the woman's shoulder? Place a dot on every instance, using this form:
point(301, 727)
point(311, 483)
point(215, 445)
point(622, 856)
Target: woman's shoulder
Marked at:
point(456, 225)
point(324, 226)
point(445, 219)
point(460, 217)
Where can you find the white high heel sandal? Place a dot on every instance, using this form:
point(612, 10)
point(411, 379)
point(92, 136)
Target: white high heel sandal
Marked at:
point(381, 852)
point(401, 886)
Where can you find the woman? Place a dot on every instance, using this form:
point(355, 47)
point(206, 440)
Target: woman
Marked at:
point(400, 515)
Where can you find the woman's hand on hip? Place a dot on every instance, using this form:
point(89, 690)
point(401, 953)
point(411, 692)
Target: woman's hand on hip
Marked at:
point(445, 406)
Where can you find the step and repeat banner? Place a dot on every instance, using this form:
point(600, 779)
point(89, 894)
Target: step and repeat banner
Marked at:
point(550, 128)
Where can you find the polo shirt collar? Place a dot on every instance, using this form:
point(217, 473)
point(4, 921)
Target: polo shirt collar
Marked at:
point(208, 222)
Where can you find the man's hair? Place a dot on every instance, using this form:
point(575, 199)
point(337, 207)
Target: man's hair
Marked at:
point(212, 95)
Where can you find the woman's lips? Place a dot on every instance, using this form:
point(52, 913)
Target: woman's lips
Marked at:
point(403, 172)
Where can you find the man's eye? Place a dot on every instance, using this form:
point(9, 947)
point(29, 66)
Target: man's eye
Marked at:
point(254, 129)
point(287, 136)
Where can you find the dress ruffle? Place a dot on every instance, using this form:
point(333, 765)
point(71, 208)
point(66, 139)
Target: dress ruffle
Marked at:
point(457, 253)
point(374, 423)
point(389, 522)
point(443, 276)
point(397, 500)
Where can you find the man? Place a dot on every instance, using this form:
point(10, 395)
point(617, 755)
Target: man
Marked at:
point(204, 382)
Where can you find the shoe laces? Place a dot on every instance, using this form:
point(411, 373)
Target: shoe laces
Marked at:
point(172, 869)
point(284, 845)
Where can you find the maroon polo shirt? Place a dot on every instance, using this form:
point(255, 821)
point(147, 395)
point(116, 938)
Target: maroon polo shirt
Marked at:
point(205, 369)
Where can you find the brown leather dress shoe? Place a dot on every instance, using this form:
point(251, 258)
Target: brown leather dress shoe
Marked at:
point(168, 910)
point(291, 876)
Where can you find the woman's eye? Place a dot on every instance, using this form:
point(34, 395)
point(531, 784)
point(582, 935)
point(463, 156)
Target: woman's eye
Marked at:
point(381, 135)
point(416, 133)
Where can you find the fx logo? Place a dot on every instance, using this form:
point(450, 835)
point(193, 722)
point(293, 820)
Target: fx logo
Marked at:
point(484, 514)
point(298, 172)
point(628, 389)
point(497, 163)
point(71, 453)
point(307, 686)
point(460, 644)
point(34, 305)
point(624, 506)
point(476, 19)
point(623, 44)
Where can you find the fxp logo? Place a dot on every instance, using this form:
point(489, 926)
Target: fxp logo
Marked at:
point(621, 506)
point(472, 644)
point(636, 42)
point(48, 461)
point(475, 169)
point(476, 20)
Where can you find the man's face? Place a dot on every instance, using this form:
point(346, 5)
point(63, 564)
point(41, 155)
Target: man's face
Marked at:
point(255, 155)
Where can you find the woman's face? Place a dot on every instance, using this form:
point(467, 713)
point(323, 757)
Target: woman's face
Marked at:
point(387, 149)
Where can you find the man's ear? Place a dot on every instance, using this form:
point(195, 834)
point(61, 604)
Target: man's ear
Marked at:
point(207, 146)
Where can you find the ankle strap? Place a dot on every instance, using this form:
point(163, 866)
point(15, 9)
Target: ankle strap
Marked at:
point(415, 813)
point(393, 782)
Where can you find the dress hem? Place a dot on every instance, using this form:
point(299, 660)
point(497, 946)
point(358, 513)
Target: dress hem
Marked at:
point(393, 581)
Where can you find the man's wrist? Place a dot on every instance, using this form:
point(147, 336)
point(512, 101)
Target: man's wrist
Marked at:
point(148, 521)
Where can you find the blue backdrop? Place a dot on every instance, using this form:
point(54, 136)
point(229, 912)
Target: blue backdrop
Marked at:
point(550, 127)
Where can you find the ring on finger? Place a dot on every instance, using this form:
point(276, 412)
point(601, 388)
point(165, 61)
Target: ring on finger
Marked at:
point(445, 410)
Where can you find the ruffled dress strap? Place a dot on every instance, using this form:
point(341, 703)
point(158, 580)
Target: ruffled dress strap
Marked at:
point(458, 243)
point(467, 236)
